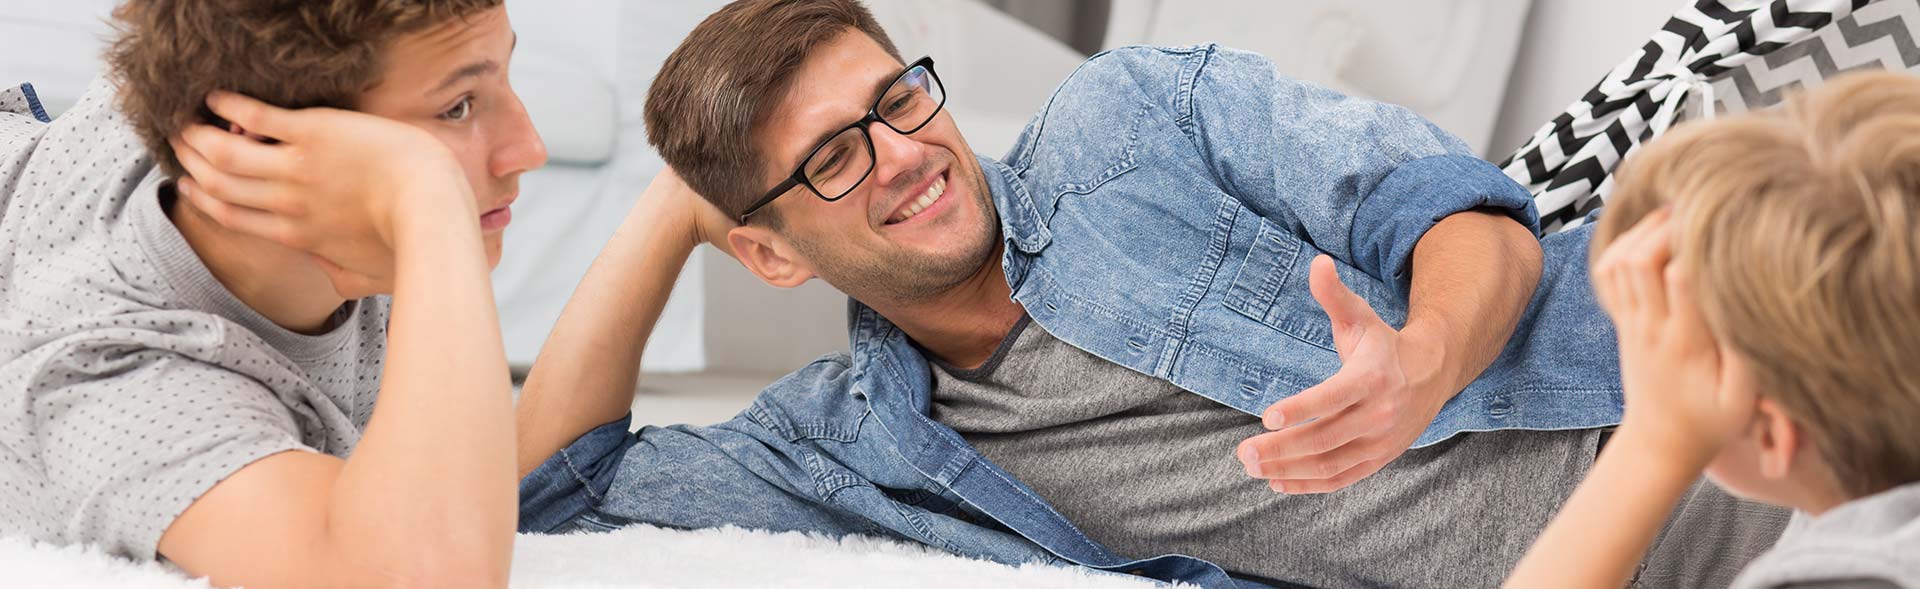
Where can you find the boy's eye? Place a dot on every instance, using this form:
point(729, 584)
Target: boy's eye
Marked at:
point(459, 111)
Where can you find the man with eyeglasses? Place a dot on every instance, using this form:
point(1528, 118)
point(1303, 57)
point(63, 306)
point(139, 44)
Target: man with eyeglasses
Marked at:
point(1187, 271)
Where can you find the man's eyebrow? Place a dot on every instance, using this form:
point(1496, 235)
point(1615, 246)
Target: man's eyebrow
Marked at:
point(472, 70)
point(878, 87)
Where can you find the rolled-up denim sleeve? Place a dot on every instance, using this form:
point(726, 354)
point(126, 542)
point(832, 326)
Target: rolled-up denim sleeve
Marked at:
point(681, 476)
point(1363, 180)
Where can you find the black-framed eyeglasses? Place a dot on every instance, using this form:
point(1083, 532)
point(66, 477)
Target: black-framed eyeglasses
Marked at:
point(843, 161)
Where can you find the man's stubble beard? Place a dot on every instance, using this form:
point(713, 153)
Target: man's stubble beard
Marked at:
point(898, 277)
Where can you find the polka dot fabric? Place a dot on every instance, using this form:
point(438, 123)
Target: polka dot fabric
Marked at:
point(131, 381)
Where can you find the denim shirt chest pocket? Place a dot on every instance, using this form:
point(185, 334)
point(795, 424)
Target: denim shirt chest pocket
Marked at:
point(1270, 284)
point(1099, 155)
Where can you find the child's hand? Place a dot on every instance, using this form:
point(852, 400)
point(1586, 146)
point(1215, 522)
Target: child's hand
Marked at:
point(1686, 394)
point(337, 184)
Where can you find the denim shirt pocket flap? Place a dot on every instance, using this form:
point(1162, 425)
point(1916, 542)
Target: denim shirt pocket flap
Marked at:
point(1269, 264)
point(1089, 152)
point(1086, 187)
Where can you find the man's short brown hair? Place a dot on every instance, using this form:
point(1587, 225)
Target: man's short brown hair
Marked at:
point(1801, 227)
point(727, 77)
point(170, 54)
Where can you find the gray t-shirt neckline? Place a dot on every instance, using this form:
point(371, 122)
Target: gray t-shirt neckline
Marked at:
point(195, 286)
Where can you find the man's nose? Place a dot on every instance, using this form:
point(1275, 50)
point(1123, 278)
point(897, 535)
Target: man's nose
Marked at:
point(894, 154)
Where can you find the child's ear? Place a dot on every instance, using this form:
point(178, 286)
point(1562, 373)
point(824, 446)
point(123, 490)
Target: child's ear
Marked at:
point(1778, 439)
point(768, 256)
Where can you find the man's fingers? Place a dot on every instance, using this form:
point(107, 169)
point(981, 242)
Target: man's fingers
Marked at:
point(1328, 485)
point(1343, 307)
point(255, 116)
point(1317, 437)
point(1343, 390)
point(236, 154)
point(1323, 465)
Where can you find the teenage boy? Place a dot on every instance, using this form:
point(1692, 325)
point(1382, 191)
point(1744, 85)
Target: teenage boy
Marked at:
point(199, 381)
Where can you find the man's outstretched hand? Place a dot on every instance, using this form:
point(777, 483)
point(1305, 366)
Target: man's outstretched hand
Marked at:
point(1340, 431)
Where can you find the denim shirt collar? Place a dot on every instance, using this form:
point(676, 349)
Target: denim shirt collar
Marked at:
point(883, 359)
point(895, 380)
point(1021, 224)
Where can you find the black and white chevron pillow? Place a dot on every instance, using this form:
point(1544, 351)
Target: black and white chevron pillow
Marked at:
point(1737, 55)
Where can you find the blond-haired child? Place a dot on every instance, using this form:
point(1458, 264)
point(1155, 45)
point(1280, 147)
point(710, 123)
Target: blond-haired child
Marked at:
point(1763, 272)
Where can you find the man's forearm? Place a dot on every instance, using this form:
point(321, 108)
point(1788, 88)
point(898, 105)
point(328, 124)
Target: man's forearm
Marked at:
point(586, 373)
point(1473, 274)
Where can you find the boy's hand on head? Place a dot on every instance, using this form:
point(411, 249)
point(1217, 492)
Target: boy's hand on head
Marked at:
point(1686, 393)
point(337, 184)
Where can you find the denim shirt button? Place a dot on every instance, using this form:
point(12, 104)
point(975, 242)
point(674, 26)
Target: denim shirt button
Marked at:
point(1499, 408)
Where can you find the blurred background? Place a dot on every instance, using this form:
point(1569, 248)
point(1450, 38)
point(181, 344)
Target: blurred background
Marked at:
point(1490, 71)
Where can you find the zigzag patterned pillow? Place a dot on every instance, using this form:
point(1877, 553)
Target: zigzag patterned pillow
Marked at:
point(1736, 55)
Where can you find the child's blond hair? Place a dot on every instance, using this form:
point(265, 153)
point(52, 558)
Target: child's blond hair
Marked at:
point(1799, 228)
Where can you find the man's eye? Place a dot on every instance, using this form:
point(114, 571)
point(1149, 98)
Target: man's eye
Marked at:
point(899, 104)
point(830, 165)
point(459, 111)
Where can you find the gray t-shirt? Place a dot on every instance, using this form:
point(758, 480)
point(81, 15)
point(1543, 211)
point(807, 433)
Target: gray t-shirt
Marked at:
point(1148, 469)
point(131, 381)
point(1867, 543)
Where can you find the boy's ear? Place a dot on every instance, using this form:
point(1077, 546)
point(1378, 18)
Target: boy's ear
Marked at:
point(1779, 439)
point(768, 256)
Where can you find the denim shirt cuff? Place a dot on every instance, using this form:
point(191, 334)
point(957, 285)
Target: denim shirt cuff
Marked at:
point(1416, 196)
point(575, 479)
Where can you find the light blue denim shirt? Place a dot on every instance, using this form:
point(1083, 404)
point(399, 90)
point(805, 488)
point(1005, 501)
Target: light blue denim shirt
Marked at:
point(1160, 212)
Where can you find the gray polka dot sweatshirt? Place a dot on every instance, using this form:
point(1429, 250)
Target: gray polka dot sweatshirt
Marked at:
point(131, 381)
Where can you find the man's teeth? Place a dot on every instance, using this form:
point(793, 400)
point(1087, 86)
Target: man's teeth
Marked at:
point(926, 199)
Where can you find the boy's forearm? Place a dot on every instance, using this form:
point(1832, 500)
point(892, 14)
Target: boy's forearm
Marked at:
point(432, 479)
point(586, 372)
point(1601, 534)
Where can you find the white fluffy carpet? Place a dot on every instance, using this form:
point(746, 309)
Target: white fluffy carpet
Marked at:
point(639, 556)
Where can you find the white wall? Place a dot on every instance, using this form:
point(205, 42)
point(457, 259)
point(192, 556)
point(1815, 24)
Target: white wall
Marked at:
point(1568, 46)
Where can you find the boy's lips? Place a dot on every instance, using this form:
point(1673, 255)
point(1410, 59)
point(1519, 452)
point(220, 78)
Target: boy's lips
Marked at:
point(499, 217)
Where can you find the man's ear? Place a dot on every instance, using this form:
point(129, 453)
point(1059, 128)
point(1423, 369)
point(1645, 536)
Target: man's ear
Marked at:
point(768, 256)
point(1778, 438)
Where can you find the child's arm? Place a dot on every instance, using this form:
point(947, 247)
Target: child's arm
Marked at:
point(1602, 532)
point(1686, 397)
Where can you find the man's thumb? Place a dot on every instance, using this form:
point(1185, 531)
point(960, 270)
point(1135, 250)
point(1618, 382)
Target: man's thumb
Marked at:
point(1343, 307)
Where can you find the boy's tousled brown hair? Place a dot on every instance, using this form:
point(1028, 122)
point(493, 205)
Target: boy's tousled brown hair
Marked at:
point(1801, 228)
point(169, 54)
point(724, 80)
